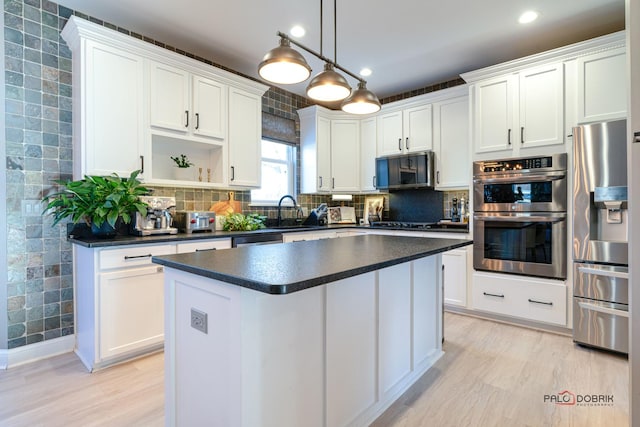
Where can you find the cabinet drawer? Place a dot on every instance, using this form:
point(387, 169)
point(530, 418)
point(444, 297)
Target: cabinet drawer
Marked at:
point(206, 245)
point(527, 298)
point(132, 256)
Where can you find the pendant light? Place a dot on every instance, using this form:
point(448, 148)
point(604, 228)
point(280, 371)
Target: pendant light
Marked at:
point(329, 85)
point(361, 101)
point(284, 65)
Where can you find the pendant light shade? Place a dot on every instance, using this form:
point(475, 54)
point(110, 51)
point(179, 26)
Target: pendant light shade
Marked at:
point(328, 85)
point(284, 65)
point(361, 101)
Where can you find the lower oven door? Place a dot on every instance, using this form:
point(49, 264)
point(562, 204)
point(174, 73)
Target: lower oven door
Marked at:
point(532, 244)
point(601, 324)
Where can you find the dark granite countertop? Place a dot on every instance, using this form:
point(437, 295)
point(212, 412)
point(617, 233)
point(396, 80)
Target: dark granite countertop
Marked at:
point(290, 267)
point(125, 240)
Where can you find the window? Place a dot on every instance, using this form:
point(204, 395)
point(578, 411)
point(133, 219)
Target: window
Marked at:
point(278, 173)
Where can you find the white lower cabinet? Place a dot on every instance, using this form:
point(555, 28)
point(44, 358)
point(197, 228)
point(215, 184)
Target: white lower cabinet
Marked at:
point(540, 300)
point(455, 276)
point(120, 299)
point(131, 310)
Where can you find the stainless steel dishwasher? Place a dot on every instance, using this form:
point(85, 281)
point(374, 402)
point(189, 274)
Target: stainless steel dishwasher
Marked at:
point(256, 239)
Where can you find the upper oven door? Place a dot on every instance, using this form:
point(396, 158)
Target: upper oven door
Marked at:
point(521, 243)
point(521, 192)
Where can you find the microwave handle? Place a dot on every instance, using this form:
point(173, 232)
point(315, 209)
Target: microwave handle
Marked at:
point(550, 176)
point(522, 218)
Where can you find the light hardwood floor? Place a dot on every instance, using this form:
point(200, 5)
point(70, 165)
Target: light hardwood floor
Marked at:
point(491, 375)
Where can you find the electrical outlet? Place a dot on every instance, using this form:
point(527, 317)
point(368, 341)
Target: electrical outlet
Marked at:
point(199, 320)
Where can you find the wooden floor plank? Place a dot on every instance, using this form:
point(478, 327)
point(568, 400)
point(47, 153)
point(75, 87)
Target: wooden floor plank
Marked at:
point(492, 374)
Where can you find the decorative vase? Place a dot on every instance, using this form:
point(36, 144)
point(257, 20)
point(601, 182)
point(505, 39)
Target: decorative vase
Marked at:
point(183, 174)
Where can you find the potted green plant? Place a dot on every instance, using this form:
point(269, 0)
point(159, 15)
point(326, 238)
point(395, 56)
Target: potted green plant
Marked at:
point(183, 171)
point(100, 201)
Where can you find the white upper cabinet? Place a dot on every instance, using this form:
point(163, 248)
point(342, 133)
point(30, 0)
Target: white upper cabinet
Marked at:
point(525, 109)
point(108, 116)
point(368, 154)
point(345, 155)
point(405, 131)
point(185, 103)
point(245, 124)
point(451, 143)
point(136, 105)
point(602, 88)
point(330, 151)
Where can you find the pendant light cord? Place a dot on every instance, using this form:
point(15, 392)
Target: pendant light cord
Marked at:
point(321, 14)
point(335, 31)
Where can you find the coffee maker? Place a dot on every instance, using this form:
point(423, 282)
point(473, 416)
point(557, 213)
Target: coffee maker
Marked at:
point(158, 220)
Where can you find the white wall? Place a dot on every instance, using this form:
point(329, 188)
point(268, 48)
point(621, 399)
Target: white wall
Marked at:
point(633, 55)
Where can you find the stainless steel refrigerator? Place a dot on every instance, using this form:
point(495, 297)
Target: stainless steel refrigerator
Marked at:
point(600, 236)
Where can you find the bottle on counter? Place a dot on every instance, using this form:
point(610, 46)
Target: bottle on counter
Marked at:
point(455, 215)
point(464, 210)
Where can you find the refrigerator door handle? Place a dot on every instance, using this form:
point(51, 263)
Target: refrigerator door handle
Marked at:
point(601, 309)
point(605, 273)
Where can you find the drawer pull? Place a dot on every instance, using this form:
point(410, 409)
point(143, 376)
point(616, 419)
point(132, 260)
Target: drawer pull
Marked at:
point(493, 295)
point(540, 302)
point(137, 256)
point(205, 250)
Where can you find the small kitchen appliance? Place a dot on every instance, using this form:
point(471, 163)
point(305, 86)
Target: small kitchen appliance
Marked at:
point(158, 219)
point(194, 221)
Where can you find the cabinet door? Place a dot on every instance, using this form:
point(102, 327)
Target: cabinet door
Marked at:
point(323, 153)
point(169, 90)
point(602, 87)
point(452, 148)
point(113, 117)
point(202, 246)
point(455, 277)
point(131, 315)
point(368, 154)
point(345, 155)
point(541, 106)
point(493, 102)
point(209, 108)
point(390, 133)
point(418, 133)
point(245, 133)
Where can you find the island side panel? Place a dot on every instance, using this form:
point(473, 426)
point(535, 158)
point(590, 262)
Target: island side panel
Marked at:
point(427, 311)
point(283, 354)
point(202, 369)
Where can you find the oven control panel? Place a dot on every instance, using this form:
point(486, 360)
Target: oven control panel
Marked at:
point(517, 164)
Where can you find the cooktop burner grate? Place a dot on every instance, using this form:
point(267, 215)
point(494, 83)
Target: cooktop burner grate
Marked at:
point(402, 224)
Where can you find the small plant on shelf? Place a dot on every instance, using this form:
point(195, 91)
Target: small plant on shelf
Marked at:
point(182, 161)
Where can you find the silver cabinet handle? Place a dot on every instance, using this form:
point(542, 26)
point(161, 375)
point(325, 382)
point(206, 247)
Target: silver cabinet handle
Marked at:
point(600, 309)
point(186, 113)
point(493, 295)
point(539, 302)
point(137, 256)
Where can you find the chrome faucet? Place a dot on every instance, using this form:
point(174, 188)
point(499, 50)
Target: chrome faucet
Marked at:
point(286, 196)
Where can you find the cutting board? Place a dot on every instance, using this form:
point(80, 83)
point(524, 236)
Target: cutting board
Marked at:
point(226, 207)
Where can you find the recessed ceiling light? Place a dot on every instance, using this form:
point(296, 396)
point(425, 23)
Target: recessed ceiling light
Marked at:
point(297, 31)
point(365, 72)
point(528, 16)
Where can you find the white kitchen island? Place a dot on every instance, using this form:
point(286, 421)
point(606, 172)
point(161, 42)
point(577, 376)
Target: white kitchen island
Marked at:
point(317, 333)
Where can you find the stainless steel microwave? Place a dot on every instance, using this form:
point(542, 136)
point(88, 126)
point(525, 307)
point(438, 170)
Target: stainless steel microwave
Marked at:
point(405, 171)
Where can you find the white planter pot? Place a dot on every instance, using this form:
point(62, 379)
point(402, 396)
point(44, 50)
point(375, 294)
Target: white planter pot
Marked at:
point(183, 174)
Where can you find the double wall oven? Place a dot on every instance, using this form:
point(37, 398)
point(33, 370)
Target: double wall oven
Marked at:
point(520, 216)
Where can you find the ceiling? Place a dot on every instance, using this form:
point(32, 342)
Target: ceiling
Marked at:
point(409, 44)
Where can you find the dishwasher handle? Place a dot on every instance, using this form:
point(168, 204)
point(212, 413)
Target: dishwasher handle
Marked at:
point(601, 309)
point(602, 272)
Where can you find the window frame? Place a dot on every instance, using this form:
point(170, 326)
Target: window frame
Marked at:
point(291, 162)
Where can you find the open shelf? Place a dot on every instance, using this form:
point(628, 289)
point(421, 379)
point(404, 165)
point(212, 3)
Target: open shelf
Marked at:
point(207, 156)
